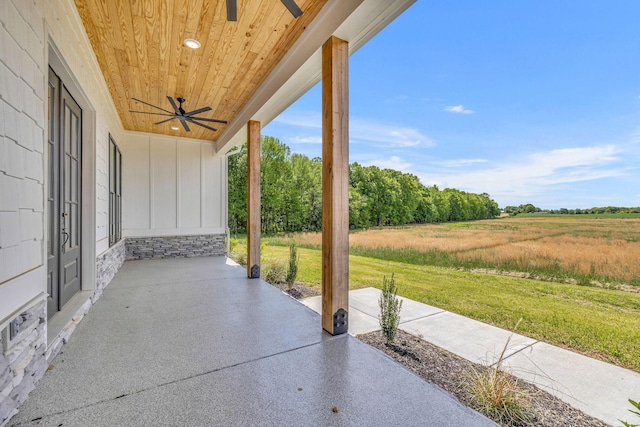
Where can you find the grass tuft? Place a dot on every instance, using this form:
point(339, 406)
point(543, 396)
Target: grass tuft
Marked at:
point(275, 272)
point(498, 395)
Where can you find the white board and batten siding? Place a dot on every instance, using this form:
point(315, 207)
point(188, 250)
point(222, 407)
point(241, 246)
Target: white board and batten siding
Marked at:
point(174, 186)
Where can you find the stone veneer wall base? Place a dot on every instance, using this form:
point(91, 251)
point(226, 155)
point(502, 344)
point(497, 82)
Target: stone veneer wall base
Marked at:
point(22, 361)
point(176, 246)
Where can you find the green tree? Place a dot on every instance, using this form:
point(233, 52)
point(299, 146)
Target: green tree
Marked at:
point(237, 193)
point(275, 183)
point(292, 195)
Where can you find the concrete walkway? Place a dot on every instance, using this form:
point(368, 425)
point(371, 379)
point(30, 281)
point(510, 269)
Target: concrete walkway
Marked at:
point(193, 342)
point(597, 388)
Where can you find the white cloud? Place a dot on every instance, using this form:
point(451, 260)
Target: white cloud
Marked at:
point(536, 174)
point(361, 130)
point(387, 135)
point(305, 119)
point(394, 162)
point(306, 140)
point(397, 98)
point(458, 163)
point(458, 109)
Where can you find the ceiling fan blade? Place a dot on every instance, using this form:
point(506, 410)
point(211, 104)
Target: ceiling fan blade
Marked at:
point(204, 119)
point(165, 121)
point(201, 110)
point(200, 124)
point(293, 7)
point(184, 123)
point(151, 105)
point(232, 10)
point(148, 112)
point(173, 104)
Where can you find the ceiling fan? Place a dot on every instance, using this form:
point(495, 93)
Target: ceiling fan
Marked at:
point(180, 114)
point(232, 9)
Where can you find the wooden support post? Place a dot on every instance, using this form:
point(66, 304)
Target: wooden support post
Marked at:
point(335, 186)
point(253, 199)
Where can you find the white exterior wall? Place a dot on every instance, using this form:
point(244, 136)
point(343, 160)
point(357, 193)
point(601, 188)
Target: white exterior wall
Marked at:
point(171, 186)
point(28, 29)
point(22, 125)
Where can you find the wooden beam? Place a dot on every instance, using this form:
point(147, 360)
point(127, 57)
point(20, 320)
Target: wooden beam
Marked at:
point(335, 186)
point(253, 199)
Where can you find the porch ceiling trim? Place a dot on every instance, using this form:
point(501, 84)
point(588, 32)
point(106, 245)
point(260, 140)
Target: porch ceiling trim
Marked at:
point(355, 21)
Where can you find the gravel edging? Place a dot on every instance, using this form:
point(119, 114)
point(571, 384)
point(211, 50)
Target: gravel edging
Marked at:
point(452, 372)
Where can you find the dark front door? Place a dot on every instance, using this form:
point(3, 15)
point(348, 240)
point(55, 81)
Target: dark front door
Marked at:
point(64, 192)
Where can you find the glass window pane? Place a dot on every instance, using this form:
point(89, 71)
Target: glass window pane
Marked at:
point(119, 218)
point(50, 112)
point(115, 185)
point(67, 129)
point(74, 135)
point(67, 226)
point(111, 165)
point(75, 226)
point(118, 172)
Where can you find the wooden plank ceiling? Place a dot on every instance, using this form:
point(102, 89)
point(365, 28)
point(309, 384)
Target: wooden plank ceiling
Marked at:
point(139, 46)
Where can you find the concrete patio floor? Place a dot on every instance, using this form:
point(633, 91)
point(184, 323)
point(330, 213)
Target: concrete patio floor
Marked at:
point(193, 342)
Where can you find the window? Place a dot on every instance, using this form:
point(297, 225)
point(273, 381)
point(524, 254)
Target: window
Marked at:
point(115, 192)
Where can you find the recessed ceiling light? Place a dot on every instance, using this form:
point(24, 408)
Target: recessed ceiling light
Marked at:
point(174, 127)
point(192, 43)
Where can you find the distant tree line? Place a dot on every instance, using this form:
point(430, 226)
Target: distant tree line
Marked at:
point(291, 195)
point(529, 208)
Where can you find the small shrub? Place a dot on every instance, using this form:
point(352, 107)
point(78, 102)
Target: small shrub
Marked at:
point(232, 244)
point(275, 273)
point(637, 406)
point(293, 266)
point(239, 258)
point(390, 306)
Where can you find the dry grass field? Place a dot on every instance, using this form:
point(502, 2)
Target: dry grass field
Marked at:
point(587, 249)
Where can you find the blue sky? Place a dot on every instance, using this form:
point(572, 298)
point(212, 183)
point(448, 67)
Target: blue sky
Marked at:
point(530, 101)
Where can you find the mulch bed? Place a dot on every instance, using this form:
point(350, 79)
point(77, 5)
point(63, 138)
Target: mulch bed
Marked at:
point(298, 291)
point(452, 373)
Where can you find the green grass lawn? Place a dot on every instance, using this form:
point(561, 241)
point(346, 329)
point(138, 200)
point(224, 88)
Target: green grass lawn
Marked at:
point(597, 322)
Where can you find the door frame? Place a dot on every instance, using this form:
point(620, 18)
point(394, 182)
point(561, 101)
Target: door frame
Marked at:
point(70, 176)
point(52, 195)
point(88, 173)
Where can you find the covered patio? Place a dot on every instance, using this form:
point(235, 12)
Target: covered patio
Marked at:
point(103, 165)
point(195, 342)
